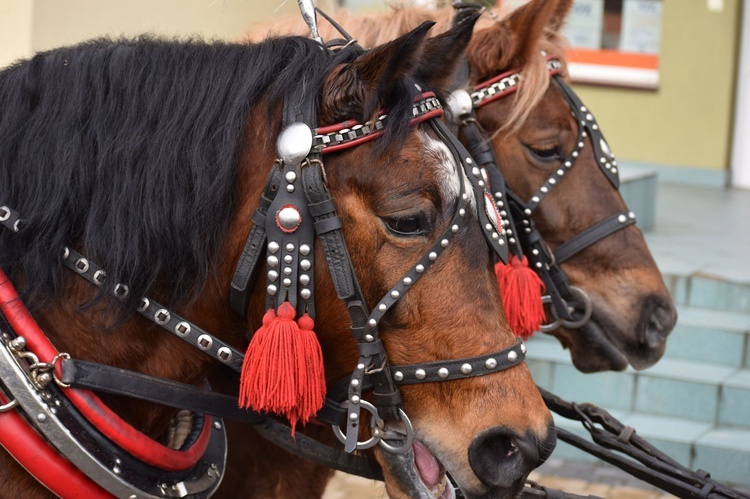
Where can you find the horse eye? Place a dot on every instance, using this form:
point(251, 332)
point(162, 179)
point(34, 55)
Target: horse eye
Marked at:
point(410, 225)
point(546, 154)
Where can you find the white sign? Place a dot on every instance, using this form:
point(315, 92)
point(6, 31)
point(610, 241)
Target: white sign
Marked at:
point(641, 26)
point(583, 27)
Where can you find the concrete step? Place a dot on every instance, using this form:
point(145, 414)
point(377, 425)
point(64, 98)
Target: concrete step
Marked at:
point(697, 289)
point(712, 336)
point(696, 412)
point(638, 186)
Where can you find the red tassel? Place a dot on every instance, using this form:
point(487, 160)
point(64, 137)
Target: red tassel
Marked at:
point(521, 291)
point(311, 380)
point(268, 382)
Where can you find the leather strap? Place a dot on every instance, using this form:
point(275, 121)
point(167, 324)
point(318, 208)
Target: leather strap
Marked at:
point(589, 236)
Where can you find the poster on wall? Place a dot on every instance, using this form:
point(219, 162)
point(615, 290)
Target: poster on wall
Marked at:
point(583, 26)
point(641, 26)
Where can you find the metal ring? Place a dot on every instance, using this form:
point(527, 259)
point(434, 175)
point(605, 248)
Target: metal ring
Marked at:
point(403, 448)
point(55, 359)
point(548, 328)
point(375, 421)
point(10, 405)
point(581, 298)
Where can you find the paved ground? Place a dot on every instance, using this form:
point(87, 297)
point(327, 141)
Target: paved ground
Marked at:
point(576, 478)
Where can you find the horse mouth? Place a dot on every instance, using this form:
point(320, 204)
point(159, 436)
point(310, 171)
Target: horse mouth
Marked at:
point(420, 474)
point(593, 349)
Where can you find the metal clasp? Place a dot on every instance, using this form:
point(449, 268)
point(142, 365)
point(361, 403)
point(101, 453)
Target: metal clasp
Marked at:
point(380, 432)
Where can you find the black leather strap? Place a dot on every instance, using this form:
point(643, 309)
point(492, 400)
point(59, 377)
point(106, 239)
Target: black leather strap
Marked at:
point(589, 236)
point(247, 266)
point(116, 381)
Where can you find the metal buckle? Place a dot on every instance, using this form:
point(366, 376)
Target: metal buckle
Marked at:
point(380, 432)
point(580, 298)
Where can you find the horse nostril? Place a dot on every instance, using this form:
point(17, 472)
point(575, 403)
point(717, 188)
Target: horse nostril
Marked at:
point(659, 325)
point(501, 458)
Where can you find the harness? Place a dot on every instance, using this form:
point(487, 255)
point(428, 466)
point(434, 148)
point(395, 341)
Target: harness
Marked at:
point(89, 450)
point(523, 236)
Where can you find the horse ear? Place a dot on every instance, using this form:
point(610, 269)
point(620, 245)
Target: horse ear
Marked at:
point(514, 40)
point(558, 18)
point(442, 53)
point(368, 82)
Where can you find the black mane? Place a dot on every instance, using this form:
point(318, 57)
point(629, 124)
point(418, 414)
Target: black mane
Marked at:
point(128, 150)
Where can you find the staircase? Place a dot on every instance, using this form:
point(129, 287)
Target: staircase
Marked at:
point(694, 404)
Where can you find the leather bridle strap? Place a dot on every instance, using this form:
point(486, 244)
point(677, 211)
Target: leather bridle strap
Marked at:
point(596, 232)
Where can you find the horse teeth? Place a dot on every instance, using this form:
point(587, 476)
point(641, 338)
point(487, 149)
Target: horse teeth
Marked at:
point(439, 489)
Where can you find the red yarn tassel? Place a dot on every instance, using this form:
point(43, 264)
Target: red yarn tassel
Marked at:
point(311, 380)
point(268, 382)
point(521, 292)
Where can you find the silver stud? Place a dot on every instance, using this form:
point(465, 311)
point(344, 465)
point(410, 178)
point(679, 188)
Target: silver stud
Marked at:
point(305, 294)
point(631, 214)
point(561, 172)
point(162, 316)
point(289, 188)
point(287, 270)
point(419, 268)
point(217, 426)
point(568, 164)
point(272, 275)
point(369, 338)
point(523, 348)
point(82, 265)
point(395, 294)
point(490, 363)
point(475, 171)
point(66, 253)
point(595, 126)
point(353, 416)
point(272, 289)
point(205, 341)
point(289, 218)
point(290, 176)
point(420, 374)
point(290, 247)
point(535, 252)
point(527, 211)
point(466, 368)
point(273, 246)
point(481, 183)
point(495, 236)
point(143, 305)
point(469, 161)
point(355, 383)
point(443, 373)
point(462, 212)
point(304, 279)
point(580, 144)
point(272, 261)
point(432, 256)
point(305, 265)
point(583, 109)
point(512, 241)
point(287, 282)
point(544, 189)
point(398, 376)
point(488, 226)
point(499, 195)
point(407, 281)
point(41, 417)
point(99, 276)
point(552, 181)
point(304, 249)
point(622, 219)
point(382, 307)
point(590, 117)
point(539, 265)
point(444, 243)
point(224, 354)
point(535, 199)
point(289, 259)
point(360, 366)
point(372, 323)
point(182, 328)
point(575, 154)
point(512, 356)
point(354, 399)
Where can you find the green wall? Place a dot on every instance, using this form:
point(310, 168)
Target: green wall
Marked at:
point(687, 122)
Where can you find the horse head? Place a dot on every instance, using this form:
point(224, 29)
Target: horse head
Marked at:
point(564, 176)
point(423, 262)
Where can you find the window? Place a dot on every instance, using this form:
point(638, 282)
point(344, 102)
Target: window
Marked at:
point(614, 42)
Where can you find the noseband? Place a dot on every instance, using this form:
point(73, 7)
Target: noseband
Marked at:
point(523, 236)
point(43, 391)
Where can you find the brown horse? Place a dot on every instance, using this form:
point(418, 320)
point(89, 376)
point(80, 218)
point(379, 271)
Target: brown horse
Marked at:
point(532, 133)
point(146, 159)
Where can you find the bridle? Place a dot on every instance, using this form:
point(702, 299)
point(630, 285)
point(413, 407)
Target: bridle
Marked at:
point(88, 447)
point(523, 236)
